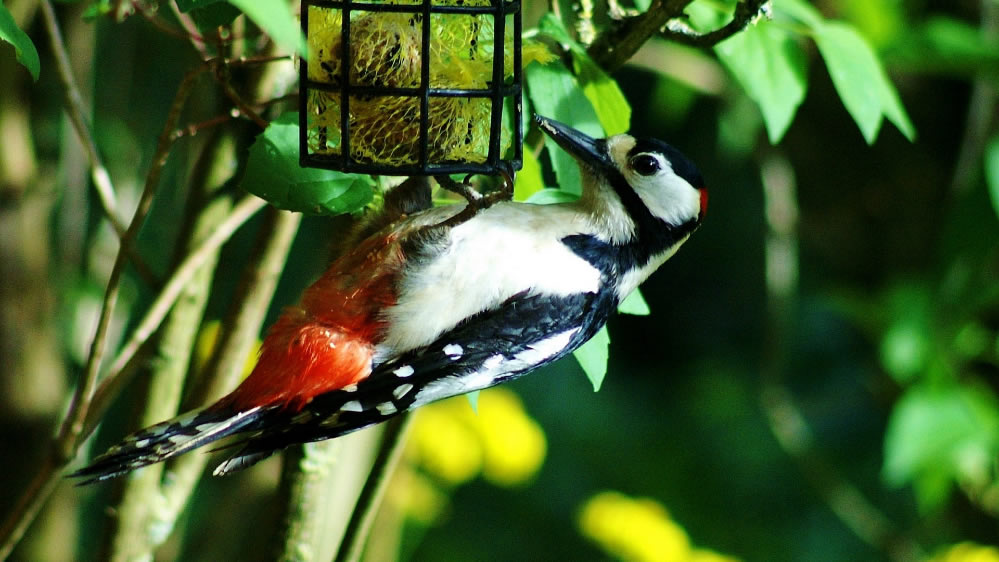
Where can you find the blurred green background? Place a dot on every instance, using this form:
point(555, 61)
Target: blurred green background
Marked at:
point(816, 381)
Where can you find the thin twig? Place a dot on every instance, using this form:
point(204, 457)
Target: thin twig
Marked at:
point(133, 537)
point(193, 34)
point(241, 329)
point(69, 436)
point(73, 426)
point(745, 12)
point(616, 45)
point(164, 301)
point(151, 15)
point(237, 100)
point(356, 535)
point(75, 110)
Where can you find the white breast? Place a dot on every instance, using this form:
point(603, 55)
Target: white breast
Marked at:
point(505, 250)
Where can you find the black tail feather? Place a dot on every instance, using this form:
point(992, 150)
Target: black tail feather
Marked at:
point(169, 439)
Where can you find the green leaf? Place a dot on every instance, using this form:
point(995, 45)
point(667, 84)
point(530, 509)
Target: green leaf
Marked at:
point(906, 345)
point(770, 65)
point(554, 93)
point(934, 434)
point(473, 400)
point(188, 5)
point(592, 357)
point(273, 173)
point(608, 101)
point(799, 10)
point(860, 80)
point(549, 196)
point(274, 17)
point(529, 180)
point(708, 15)
point(634, 304)
point(553, 27)
point(24, 49)
point(992, 172)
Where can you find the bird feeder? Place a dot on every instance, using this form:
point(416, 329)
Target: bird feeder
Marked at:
point(412, 87)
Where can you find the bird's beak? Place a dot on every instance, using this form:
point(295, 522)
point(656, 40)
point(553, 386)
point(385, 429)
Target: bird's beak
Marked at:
point(586, 149)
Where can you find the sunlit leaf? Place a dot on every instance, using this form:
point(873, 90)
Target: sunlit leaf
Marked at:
point(24, 49)
point(880, 21)
point(592, 357)
point(273, 16)
point(941, 432)
point(707, 15)
point(554, 92)
point(800, 10)
point(608, 101)
point(273, 173)
point(529, 180)
point(634, 304)
point(770, 65)
point(992, 172)
point(860, 80)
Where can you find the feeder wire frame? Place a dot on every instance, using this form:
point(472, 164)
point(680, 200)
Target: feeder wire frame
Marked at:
point(498, 92)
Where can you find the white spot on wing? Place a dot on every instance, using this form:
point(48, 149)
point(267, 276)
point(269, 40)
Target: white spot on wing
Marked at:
point(352, 406)
point(141, 443)
point(401, 390)
point(350, 388)
point(404, 371)
point(386, 408)
point(453, 350)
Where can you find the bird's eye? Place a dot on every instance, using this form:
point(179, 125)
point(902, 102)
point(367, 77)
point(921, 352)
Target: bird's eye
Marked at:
point(645, 164)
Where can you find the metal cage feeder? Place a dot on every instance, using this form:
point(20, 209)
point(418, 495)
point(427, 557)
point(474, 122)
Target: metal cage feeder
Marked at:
point(412, 87)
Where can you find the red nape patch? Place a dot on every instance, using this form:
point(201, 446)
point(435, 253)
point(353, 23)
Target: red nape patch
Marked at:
point(704, 202)
point(300, 359)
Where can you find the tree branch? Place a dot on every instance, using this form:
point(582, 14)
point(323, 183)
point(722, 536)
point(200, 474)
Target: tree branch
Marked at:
point(745, 12)
point(614, 47)
point(623, 39)
point(75, 110)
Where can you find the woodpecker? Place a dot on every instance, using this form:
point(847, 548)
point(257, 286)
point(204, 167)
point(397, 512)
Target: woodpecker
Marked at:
point(429, 308)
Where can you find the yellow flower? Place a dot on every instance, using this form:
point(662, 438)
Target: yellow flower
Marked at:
point(444, 447)
point(967, 552)
point(638, 529)
point(501, 441)
point(514, 444)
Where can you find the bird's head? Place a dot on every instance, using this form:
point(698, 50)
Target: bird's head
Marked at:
point(657, 185)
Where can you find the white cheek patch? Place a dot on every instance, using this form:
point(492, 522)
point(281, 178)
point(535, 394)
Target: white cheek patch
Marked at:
point(668, 196)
